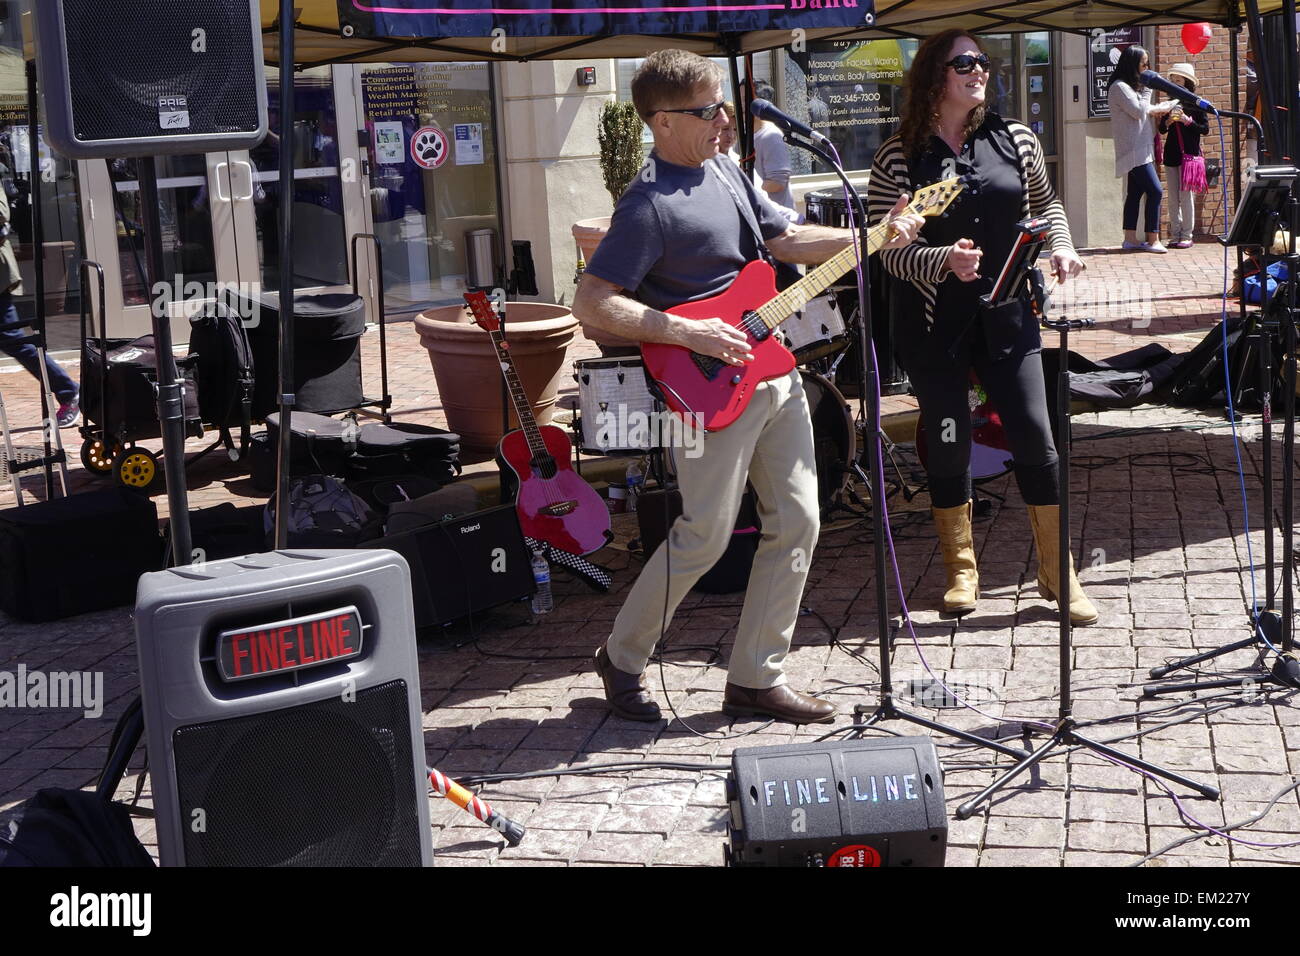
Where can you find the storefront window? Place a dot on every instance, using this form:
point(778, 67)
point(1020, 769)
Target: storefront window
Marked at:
point(853, 91)
point(60, 208)
point(433, 158)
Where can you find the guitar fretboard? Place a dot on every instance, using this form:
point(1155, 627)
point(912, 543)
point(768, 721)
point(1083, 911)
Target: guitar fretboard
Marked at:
point(519, 397)
point(780, 308)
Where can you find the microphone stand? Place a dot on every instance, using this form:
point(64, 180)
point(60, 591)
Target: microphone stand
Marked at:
point(1064, 734)
point(887, 708)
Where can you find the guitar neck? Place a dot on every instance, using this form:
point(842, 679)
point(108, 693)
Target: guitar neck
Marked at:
point(518, 396)
point(820, 279)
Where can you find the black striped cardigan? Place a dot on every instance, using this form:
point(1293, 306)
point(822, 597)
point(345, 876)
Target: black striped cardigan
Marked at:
point(923, 264)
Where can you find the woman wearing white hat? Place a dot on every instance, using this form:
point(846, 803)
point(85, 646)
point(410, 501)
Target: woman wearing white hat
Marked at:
point(1183, 129)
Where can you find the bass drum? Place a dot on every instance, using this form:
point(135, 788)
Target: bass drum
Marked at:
point(990, 453)
point(834, 442)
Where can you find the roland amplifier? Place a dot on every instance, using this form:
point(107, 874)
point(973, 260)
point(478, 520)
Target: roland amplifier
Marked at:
point(282, 711)
point(847, 803)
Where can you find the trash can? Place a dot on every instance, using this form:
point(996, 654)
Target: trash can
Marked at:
point(481, 258)
point(327, 332)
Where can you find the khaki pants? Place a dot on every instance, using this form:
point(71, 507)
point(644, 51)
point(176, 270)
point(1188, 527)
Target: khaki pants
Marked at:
point(771, 445)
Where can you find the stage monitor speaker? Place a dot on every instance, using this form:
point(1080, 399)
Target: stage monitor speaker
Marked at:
point(125, 78)
point(845, 803)
point(282, 711)
point(464, 565)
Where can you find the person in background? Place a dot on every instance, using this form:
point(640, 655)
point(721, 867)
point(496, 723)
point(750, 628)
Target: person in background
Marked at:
point(772, 159)
point(1131, 112)
point(1183, 127)
point(65, 389)
point(727, 147)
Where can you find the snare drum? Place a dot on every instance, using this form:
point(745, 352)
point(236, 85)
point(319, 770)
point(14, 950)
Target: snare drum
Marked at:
point(617, 409)
point(816, 332)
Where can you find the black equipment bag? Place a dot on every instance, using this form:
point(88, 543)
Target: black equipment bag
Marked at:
point(72, 555)
point(405, 448)
point(382, 494)
point(731, 573)
point(129, 380)
point(225, 365)
point(65, 828)
point(326, 353)
point(317, 445)
point(226, 531)
point(323, 513)
point(1198, 379)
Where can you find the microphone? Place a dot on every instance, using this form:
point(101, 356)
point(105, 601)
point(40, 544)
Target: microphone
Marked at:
point(766, 110)
point(1157, 82)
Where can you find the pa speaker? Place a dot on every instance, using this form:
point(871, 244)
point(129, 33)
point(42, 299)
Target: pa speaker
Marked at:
point(848, 803)
point(126, 78)
point(282, 711)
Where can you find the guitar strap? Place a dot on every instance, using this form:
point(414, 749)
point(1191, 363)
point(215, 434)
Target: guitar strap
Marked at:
point(786, 275)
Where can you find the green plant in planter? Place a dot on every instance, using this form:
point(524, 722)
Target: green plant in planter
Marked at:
point(619, 136)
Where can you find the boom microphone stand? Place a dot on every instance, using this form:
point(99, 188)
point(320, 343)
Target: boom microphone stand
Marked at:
point(887, 708)
point(1065, 734)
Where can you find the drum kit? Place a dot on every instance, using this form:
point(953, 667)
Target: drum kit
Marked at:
point(618, 413)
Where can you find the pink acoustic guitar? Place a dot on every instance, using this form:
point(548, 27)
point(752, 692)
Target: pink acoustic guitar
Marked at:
point(714, 393)
point(554, 504)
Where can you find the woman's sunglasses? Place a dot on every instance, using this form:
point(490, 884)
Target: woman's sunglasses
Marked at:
point(965, 63)
point(705, 113)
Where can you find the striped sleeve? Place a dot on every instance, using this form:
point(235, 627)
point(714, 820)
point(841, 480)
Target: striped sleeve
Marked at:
point(1040, 197)
point(919, 261)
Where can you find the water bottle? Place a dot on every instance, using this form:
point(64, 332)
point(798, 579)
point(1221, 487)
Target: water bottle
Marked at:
point(635, 483)
point(543, 603)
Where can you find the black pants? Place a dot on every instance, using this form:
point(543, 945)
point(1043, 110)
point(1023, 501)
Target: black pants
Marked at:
point(939, 369)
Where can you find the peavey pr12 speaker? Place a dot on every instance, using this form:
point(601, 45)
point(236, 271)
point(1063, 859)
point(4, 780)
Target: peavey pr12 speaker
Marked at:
point(282, 711)
point(129, 78)
point(464, 565)
point(846, 803)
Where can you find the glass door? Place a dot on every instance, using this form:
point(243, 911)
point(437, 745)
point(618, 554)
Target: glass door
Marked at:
point(325, 213)
point(197, 229)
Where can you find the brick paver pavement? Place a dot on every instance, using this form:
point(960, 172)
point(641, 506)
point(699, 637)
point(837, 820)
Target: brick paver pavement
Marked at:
point(1157, 519)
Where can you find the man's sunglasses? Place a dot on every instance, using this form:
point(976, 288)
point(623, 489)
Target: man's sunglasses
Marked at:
point(705, 113)
point(965, 63)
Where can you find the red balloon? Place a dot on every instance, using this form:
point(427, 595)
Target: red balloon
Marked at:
point(1196, 37)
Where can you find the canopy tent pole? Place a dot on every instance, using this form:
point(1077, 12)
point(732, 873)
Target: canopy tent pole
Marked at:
point(286, 273)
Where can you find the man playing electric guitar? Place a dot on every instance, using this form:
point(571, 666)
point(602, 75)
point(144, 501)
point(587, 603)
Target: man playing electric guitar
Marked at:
point(682, 232)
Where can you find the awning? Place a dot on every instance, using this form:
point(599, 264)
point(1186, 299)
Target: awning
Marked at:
point(320, 38)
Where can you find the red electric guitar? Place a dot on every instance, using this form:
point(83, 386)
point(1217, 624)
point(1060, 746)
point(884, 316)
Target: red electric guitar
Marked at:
point(555, 505)
point(714, 393)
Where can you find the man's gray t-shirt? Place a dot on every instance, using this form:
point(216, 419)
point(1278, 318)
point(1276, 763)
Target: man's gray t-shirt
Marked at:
point(680, 237)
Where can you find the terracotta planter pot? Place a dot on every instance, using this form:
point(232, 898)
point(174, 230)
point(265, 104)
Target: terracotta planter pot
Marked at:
point(588, 233)
point(469, 378)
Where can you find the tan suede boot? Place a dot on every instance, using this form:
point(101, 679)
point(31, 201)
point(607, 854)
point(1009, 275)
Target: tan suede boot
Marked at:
point(1046, 521)
point(958, 549)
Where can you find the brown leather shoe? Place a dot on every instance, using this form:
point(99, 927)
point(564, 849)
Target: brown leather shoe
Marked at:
point(627, 694)
point(781, 702)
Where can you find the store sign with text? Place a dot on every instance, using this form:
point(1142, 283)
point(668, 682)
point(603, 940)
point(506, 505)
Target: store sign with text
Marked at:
point(1104, 48)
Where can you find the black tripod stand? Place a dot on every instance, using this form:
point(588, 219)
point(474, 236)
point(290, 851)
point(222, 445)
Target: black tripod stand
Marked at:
point(1064, 734)
point(887, 708)
point(1258, 218)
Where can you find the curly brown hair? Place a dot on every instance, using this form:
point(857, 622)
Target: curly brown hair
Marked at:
point(924, 88)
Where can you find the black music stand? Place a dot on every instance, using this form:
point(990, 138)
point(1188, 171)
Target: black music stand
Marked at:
point(887, 708)
point(1064, 733)
point(1267, 201)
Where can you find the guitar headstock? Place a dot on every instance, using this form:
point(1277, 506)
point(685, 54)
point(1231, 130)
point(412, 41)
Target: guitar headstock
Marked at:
point(485, 315)
point(934, 200)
